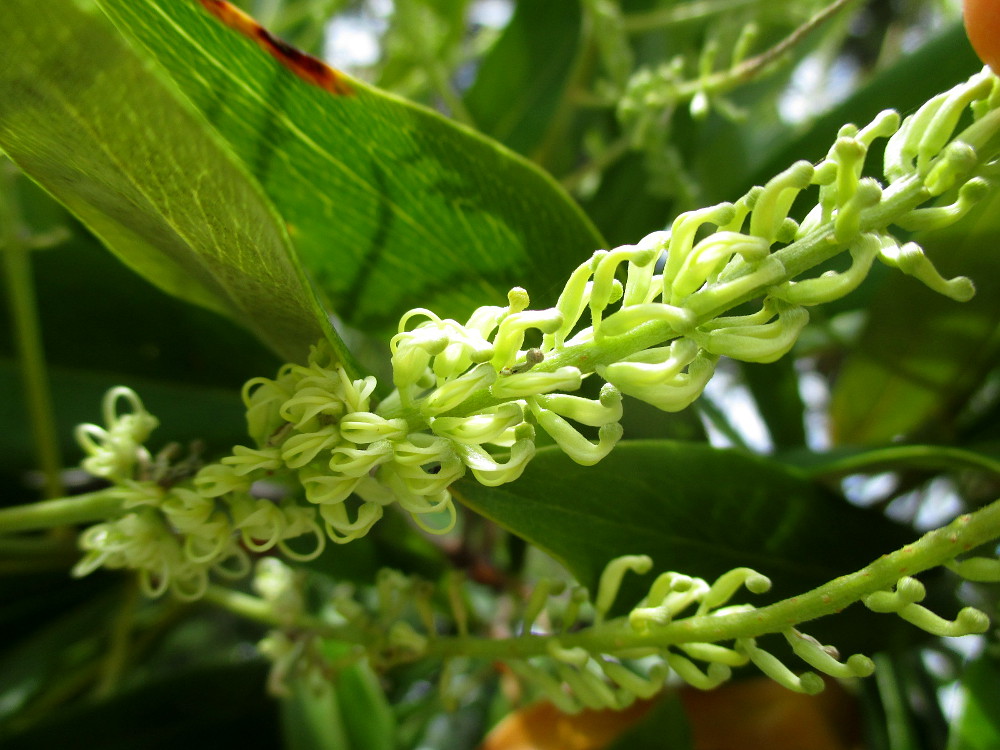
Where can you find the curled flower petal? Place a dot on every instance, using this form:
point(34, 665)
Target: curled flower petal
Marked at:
point(299, 450)
point(341, 529)
point(246, 460)
point(349, 461)
point(491, 471)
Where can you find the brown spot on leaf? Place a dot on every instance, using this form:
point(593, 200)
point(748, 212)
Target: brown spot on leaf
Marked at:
point(306, 67)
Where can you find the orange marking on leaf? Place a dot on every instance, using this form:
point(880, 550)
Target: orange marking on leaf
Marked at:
point(306, 67)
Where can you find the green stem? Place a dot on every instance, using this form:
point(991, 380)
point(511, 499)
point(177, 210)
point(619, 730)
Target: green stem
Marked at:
point(262, 611)
point(64, 511)
point(726, 80)
point(653, 20)
point(16, 251)
point(930, 551)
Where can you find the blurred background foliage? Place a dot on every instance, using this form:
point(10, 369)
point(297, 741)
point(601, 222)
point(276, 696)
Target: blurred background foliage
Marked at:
point(641, 109)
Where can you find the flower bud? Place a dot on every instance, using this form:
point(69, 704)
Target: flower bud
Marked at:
point(522, 385)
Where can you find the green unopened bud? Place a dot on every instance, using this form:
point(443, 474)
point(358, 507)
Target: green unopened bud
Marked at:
point(847, 224)
point(586, 411)
point(713, 653)
point(937, 130)
point(522, 385)
point(982, 569)
point(604, 289)
point(910, 259)
point(970, 621)
point(819, 657)
point(574, 444)
point(682, 235)
point(611, 579)
point(776, 200)
point(756, 343)
point(639, 686)
point(937, 217)
point(451, 394)
point(728, 584)
point(592, 691)
point(809, 683)
point(479, 428)
point(831, 285)
point(725, 292)
point(908, 590)
point(674, 394)
point(627, 318)
point(510, 334)
point(365, 427)
point(953, 164)
point(714, 676)
point(652, 366)
point(491, 471)
point(885, 124)
point(711, 254)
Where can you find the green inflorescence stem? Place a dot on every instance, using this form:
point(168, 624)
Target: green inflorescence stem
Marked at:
point(63, 511)
point(930, 551)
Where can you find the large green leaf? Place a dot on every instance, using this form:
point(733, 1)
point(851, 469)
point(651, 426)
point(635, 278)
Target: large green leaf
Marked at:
point(390, 205)
point(923, 355)
point(522, 80)
point(88, 119)
point(692, 508)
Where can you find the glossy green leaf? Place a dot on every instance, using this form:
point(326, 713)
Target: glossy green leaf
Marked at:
point(923, 355)
point(522, 80)
point(87, 118)
point(368, 717)
point(311, 718)
point(692, 508)
point(390, 205)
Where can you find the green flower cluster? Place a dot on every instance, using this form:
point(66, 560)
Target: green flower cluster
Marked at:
point(178, 525)
point(471, 396)
point(566, 648)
